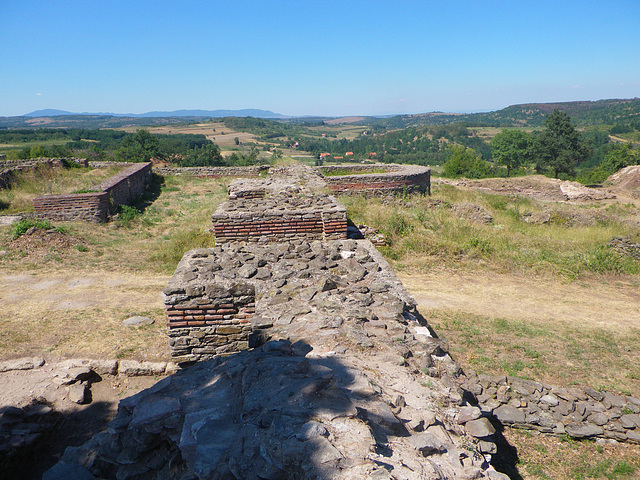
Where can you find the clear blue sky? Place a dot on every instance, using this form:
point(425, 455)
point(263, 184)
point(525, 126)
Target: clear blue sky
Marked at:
point(314, 57)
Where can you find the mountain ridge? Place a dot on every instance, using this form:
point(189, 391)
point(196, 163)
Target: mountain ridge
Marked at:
point(247, 112)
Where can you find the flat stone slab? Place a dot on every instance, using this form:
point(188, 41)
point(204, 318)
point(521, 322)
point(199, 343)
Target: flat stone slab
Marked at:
point(138, 321)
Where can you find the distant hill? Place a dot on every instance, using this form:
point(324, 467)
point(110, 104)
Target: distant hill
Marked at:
point(49, 112)
point(249, 112)
point(583, 113)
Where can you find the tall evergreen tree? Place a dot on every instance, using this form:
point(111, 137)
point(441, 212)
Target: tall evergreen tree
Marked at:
point(560, 146)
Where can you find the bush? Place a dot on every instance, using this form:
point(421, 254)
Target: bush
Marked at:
point(465, 162)
point(126, 214)
point(25, 224)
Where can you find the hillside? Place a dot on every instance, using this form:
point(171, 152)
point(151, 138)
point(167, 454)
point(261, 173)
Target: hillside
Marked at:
point(583, 113)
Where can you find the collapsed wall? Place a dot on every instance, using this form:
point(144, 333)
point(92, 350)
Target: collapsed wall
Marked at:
point(214, 172)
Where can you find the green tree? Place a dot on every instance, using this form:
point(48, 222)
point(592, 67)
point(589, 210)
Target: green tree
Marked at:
point(560, 146)
point(512, 148)
point(204, 156)
point(465, 162)
point(140, 147)
point(617, 157)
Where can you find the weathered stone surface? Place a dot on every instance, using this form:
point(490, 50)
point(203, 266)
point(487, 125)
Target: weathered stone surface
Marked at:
point(21, 364)
point(426, 443)
point(78, 393)
point(133, 368)
point(630, 420)
point(583, 430)
point(468, 413)
point(508, 414)
point(480, 428)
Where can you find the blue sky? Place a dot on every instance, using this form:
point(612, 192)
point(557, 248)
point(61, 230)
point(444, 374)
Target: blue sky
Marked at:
point(314, 57)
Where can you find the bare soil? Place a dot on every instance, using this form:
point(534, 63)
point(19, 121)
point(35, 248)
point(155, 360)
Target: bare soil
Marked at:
point(80, 313)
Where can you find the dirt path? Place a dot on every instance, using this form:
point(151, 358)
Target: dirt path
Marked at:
point(611, 305)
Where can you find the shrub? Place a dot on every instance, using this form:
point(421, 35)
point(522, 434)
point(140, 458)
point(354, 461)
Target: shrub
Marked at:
point(126, 214)
point(465, 162)
point(25, 224)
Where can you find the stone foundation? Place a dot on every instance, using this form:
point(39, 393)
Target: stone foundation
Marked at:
point(215, 172)
point(285, 206)
point(221, 300)
point(278, 218)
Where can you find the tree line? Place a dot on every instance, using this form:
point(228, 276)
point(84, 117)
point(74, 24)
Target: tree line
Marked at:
point(558, 149)
point(184, 150)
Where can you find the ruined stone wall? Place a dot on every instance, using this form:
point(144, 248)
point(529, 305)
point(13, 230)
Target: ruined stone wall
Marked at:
point(279, 218)
point(215, 172)
point(124, 187)
point(396, 179)
point(207, 319)
point(121, 189)
point(579, 412)
point(249, 287)
point(91, 207)
point(286, 205)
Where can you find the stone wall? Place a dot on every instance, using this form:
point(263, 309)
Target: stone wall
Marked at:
point(215, 172)
point(206, 318)
point(91, 207)
point(396, 179)
point(579, 412)
point(121, 189)
point(280, 217)
point(284, 206)
point(126, 186)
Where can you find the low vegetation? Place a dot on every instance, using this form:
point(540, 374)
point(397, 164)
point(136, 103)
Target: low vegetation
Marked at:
point(506, 234)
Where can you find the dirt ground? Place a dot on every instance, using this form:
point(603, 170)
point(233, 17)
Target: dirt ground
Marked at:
point(614, 306)
point(82, 313)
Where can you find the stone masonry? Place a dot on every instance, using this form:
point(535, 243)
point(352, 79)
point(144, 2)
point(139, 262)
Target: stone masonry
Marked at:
point(281, 207)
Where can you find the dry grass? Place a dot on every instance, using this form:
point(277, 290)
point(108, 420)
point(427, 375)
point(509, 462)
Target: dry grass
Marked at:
point(544, 457)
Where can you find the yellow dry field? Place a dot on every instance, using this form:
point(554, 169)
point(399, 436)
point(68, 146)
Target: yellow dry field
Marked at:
point(222, 136)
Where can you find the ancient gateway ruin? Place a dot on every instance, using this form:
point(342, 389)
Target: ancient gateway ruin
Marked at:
point(306, 358)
